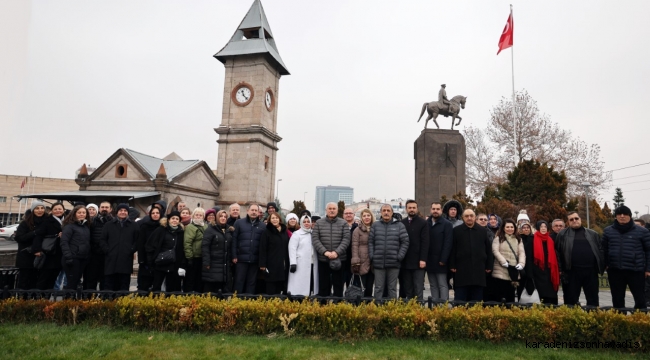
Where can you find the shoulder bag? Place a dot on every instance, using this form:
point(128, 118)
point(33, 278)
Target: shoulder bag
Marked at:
point(49, 243)
point(354, 291)
point(526, 298)
point(522, 272)
point(168, 256)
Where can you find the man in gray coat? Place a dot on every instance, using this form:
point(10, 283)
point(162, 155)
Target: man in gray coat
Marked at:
point(443, 102)
point(331, 238)
point(387, 245)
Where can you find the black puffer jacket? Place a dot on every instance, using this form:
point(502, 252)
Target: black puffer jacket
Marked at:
point(25, 237)
point(387, 244)
point(246, 240)
point(331, 235)
point(274, 252)
point(458, 219)
point(216, 253)
point(627, 247)
point(163, 239)
point(75, 241)
point(96, 232)
point(49, 227)
point(147, 227)
point(118, 245)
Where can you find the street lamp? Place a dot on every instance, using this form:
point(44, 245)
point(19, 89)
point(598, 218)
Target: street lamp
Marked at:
point(648, 209)
point(586, 185)
point(304, 198)
point(636, 213)
point(277, 189)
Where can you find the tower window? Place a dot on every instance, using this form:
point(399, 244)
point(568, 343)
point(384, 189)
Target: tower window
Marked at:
point(253, 33)
point(266, 163)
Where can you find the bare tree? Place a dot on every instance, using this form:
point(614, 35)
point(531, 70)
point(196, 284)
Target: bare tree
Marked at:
point(538, 138)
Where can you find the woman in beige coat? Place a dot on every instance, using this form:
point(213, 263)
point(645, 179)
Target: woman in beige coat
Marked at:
point(360, 260)
point(509, 259)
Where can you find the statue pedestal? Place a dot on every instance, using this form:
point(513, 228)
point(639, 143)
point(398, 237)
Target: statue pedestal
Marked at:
point(439, 166)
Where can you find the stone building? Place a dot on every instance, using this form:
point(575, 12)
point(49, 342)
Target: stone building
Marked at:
point(246, 159)
point(10, 186)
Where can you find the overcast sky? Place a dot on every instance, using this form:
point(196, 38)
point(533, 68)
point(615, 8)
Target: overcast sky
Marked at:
point(80, 79)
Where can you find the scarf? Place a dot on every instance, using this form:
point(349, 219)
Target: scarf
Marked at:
point(539, 240)
point(198, 223)
point(623, 228)
point(186, 220)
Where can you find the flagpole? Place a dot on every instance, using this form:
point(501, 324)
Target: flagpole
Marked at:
point(514, 116)
point(20, 203)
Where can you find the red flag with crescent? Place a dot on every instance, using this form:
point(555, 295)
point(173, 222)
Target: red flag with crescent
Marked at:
point(506, 37)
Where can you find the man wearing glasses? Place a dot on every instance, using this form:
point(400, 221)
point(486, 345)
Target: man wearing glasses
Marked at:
point(581, 259)
point(556, 226)
point(627, 257)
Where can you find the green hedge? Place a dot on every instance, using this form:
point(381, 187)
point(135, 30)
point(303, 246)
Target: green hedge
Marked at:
point(339, 321)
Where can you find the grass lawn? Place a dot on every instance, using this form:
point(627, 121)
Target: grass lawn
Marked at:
point(47, 341)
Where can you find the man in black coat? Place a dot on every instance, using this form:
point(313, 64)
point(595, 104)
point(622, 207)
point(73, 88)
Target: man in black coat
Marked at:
point(581, 259)
point(118, 241)
point(245, 250)
point(411, 277)
point(233, 214)
point(471, 257)
point(94, 271)
point(627, 258)
point(440, 243)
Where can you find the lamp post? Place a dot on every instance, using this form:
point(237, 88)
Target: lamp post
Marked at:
point(636, 213)
point(586, 185)
point(11, 202)
point(304, 198)
point(277, 189)
point(647, 209)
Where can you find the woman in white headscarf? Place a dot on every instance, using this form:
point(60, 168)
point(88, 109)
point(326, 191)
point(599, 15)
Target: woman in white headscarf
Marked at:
point(303, 276)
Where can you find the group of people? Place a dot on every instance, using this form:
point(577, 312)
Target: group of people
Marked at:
point(481, 255)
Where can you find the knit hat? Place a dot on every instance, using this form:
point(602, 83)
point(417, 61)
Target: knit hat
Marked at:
point(210, 211)
point(623, 210)
point(122, 206)
point(91, 205)
point(271, 204)
point(523, 215)
point(174, 213)
point(292, 216)
point(36, 203)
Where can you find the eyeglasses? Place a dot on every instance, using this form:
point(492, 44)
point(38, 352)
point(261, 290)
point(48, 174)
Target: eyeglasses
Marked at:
point(482, 219)
point(574, 219)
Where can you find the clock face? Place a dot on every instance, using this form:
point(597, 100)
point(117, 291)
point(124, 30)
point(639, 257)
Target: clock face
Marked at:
point(269, 100)
point(243, 95)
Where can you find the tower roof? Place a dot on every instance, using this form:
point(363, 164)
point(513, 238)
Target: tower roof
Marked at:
point(253, 36)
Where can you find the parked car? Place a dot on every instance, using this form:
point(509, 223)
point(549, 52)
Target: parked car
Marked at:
point(7, 232)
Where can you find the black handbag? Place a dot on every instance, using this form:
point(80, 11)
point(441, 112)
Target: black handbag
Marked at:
point(39, 261)
point(166, 257)
point(354, 291)
point(49, 243)
point(522, 272)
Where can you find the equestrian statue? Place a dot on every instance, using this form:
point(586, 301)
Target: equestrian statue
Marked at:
point(444, 107)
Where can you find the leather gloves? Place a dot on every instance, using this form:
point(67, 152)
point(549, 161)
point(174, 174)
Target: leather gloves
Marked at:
point(292, 268)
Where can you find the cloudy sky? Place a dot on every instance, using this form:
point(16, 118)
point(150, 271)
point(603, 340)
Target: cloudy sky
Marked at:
point(79, 79)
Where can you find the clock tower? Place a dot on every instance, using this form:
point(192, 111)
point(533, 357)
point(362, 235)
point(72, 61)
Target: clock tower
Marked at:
point(247, 134)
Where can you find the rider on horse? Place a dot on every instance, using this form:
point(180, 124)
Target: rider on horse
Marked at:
point(442, 100)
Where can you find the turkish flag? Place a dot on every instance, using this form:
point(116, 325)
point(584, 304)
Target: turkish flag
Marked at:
point(22, 185)
point(506, 37)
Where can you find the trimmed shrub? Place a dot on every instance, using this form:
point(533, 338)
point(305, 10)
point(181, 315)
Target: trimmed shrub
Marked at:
point(395, 319)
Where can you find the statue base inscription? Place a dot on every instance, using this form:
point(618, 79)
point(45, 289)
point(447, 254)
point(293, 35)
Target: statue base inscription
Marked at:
point(439, 166)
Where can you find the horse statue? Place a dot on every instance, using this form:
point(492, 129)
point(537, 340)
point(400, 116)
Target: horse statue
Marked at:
point(433, 108)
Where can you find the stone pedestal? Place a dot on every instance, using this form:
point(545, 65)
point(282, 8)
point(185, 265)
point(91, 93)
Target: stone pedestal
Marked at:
point(439, 166)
